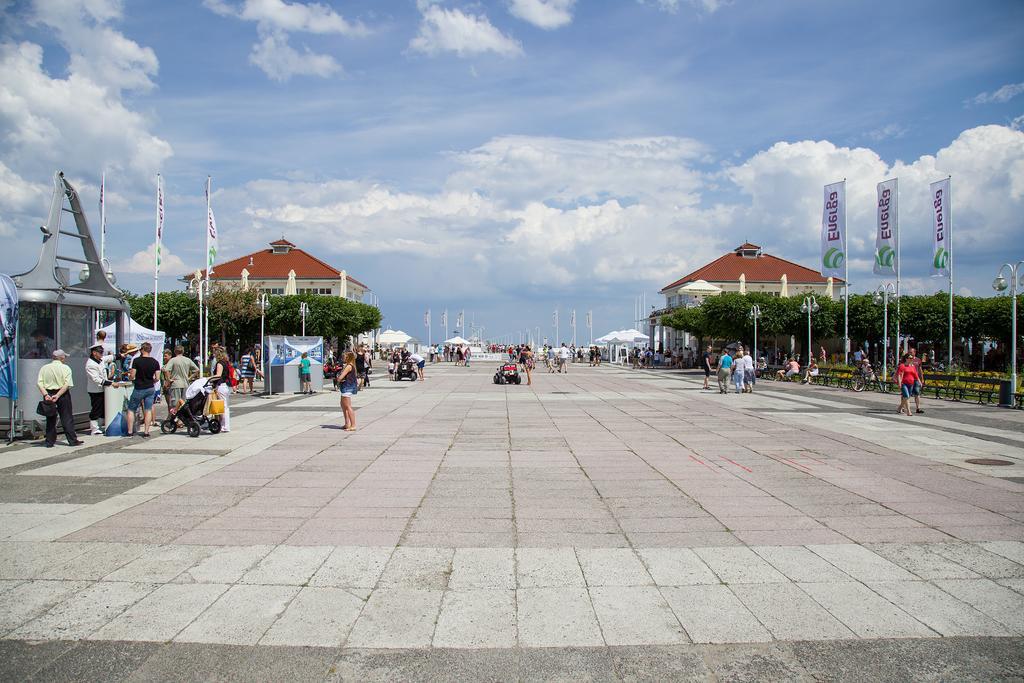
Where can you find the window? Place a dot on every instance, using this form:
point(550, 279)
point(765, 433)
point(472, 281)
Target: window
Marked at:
point(315, 290)
point(106, 319)
point(75, 330)
point(274, 290)
point(36, 330)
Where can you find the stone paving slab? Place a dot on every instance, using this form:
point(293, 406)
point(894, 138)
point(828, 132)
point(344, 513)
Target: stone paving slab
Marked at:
point(595, 533)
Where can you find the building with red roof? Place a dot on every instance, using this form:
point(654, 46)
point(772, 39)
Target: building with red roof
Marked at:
point(285, 267)
point(744, 269)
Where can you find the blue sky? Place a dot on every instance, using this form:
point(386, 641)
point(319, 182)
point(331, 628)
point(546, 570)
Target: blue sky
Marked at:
point(510, 156)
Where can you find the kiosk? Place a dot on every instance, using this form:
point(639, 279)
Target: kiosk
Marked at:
point(284, 355)
point(62, 301)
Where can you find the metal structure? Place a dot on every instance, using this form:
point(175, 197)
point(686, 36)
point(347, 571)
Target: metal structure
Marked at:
point(63, 300)
point(303, 310)
point(882, 295)
point(264, 304)
point(1015, 285)
point(809, 306)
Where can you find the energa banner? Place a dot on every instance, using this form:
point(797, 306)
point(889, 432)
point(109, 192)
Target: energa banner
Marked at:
point(8, 341)
point(833, 230)
point(941, 250)
point(886, 234)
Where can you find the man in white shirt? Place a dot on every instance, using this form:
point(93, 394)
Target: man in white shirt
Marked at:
point(564, 354)
point(416, 358)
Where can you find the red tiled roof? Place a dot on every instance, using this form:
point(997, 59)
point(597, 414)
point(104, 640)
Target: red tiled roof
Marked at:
point(764, 268)
point(281, 242)
point(266, 265)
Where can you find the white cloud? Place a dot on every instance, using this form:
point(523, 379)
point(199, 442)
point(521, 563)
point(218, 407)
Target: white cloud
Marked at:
point(80, 122)
point(280, 61)
point(545, 14)
point(560, 215)
point(97, 51)
point(1017, 123)
point(452, 30)
point(275, 20)
point(672, 6)
point(74, 123)
point(1003, 94)
point(141, 262)
point(886, 132)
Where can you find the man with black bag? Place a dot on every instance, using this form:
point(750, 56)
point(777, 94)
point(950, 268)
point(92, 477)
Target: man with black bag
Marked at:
point(54, 384)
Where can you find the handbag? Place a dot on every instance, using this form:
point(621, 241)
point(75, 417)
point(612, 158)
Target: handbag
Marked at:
point(47, 408)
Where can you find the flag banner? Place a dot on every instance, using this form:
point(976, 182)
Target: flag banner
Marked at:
point(103, 217)
point(211, 241)
point(426, 318)
point(940, 227)
point(590, 319)
point(833, 229)
point(444, 318)
point(572, 317)
point(458, 322)
point(554, 317)
point(885, 237)
point(8, 337)
point(159, 219)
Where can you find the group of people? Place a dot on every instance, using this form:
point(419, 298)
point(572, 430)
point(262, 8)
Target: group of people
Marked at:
point(738, 366)
point(150, 381)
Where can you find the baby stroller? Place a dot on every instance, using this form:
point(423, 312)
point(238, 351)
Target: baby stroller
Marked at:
point(192, 411)
point(508, 373)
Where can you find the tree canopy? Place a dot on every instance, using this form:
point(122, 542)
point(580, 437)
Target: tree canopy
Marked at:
point(235, 315)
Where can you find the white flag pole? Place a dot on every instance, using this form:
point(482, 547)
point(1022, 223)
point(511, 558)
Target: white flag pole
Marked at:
point(899, 264)
point(103, 219)
point(156, 248)
point(206, 313)
point(846, 285)
point(949, 366)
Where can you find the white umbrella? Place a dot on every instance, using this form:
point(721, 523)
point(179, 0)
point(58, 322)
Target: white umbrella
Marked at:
point(245, 279)
point(393, 338)
point(343, 289)
point(631, 336)
point(289, 287)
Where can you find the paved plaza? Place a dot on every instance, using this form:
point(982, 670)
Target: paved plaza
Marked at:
point(601, 525)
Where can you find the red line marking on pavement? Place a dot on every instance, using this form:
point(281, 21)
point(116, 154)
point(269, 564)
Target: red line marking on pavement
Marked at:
point(701, 462)
point(737, 464)
point(794, 462)
point(788, 461)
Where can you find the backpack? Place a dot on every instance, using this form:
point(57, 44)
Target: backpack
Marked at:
point(232, 375)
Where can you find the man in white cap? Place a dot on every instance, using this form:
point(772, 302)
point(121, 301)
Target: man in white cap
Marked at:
point(96, 371)
point(54, 384)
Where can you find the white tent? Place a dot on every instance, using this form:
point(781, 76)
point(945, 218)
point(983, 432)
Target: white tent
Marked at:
point(633, 336)
point(457, 341)
point(622, 337)
point(393, 338)
point(134, 333)
point(701, 288)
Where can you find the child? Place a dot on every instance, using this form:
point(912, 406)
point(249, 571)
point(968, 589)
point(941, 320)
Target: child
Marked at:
point(307, 386)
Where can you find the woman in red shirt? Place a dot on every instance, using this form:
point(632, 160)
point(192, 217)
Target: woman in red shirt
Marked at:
point(907, 377)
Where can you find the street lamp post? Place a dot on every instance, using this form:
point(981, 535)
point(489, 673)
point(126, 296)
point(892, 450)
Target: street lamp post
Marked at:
point(755, 313)
point(882, 295)
point(202, 288)
point(264, 304)
point(303, 310)
point(1015, 284)
point(809, 306)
